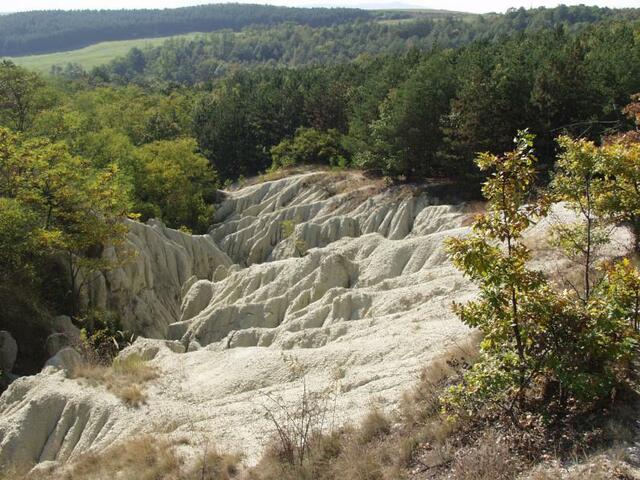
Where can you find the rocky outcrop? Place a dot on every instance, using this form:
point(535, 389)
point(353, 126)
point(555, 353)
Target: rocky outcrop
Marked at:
point(349, 253)
point(154, 264)
point(343, 277)
point(47, 417)
point(254, 223)
point(8, 352)
point(65, 359)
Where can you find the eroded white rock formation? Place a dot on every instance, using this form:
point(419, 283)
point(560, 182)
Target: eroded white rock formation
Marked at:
point(155, 263)
point(8, 351)
point(343, 277)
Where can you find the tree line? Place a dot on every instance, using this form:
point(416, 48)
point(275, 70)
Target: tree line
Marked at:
point(31, 33)
point(199, 60)
point(424, 114)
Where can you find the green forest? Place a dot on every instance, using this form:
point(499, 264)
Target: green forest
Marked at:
point(408, 114)
point(30, 33)
point(211, 56)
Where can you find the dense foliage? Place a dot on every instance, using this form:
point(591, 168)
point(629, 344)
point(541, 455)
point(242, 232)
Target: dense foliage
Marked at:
point(74, 163)
point(52, 31)
point(294, 44)
point(57, 211)
point(542, 342)
point(427, 114)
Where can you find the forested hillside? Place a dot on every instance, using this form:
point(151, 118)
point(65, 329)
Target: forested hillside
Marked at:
point(207, 57)
point(51, 31)
point(416, 113)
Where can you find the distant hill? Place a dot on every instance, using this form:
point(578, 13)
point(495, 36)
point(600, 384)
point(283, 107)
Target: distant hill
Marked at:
point(93, 55)
point(206, 57)
point(32, 33)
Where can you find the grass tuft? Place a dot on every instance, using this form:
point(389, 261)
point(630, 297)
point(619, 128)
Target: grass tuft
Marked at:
point(125, 378)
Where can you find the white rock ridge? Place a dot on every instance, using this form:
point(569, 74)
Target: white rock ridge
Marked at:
point(156, 262)
point(8, 351)
point(342, 275)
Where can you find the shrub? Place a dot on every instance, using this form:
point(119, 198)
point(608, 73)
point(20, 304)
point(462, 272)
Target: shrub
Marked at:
point(490, 459)
point(580, 346)
point(374, 426)
point(147, 457)
point(309, 146)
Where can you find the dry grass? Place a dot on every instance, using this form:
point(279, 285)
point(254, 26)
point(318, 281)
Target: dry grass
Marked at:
point(125, 378)
point(148, 457)
point(214, 465)
point(490, 459)
point(606, 466)
point(375, 425)
point(142, 458)
point(339, 455)
point(381, 446)
point(354, 183)
point(279, 174)
point(420, 406)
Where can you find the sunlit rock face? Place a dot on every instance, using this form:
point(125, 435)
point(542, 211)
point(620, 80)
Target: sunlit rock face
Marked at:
point(340, 275)
point(153, 265)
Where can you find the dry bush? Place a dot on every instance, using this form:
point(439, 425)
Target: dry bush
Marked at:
point(284, 172)
point(125, 378)
point(361, 453)
point(376, 460)
point(132, 395)
point(147, 457)
point(278, 174)
point(608, 466)
point(356, 187)
point(359, 463)
point(323, 451)
point(375, 425)
point(213, 465)
point(142, 458)
point(295, 425)
point(490, 459)
point(421, 406)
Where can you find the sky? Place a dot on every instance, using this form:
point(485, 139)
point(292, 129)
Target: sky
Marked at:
point(459, 5)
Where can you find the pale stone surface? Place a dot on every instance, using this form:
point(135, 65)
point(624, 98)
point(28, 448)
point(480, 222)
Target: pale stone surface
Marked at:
point(196, 299)
point(8, 351)
point(358, 296)
point(56, 342)
point(146, 291)
point(66, 359)
point(148, 348)
point(63, 324)
point(48, 417)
